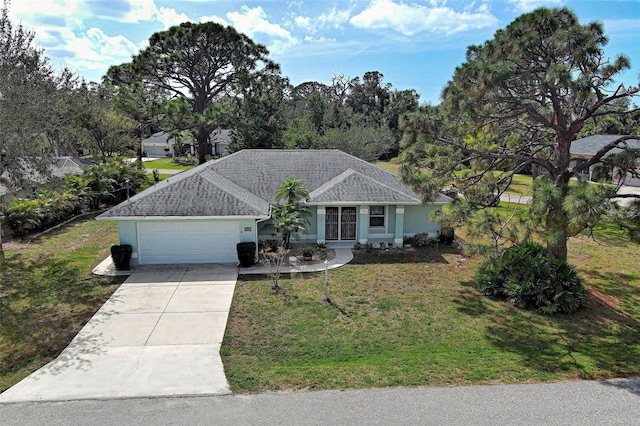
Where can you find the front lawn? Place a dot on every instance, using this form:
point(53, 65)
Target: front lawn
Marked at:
point(520, 184)
point(391, 166)
point(47, 293)
point(416, 319)
point(161, 176)
point(166, 164)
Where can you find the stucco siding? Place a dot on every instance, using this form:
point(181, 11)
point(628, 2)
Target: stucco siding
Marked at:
point(416, 220)
point(129, 235)
point(248, 231)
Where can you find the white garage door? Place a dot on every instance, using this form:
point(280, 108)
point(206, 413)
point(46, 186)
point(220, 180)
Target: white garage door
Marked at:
point(188, 242)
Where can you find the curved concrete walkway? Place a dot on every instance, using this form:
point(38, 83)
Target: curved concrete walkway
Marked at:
point(158, 335)
point(342, 257)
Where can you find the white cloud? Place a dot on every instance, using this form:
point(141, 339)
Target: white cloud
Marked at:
point(253, 21)
point(141, 10)
point(60, 8)
point(107, 47)
point(412, 19)
point(169, 17)
point(322, 39)
point(335, 18)
point(303, 22)
point(214, 18)
point(529, 5)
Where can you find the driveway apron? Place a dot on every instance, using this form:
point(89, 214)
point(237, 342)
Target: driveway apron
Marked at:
point(158, 335)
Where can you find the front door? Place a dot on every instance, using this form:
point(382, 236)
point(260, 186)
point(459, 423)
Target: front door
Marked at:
point(340, 223)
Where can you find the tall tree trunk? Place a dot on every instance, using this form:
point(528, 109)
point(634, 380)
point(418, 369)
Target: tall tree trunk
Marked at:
point(203, 143)
point(1, 247)
point(558, 251)
point(557, 220)
point(557, 223)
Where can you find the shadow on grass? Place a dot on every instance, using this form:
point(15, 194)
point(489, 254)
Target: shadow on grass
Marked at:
point(44, 304)
point(598, 341)
point(617, 284)
point(470, 301)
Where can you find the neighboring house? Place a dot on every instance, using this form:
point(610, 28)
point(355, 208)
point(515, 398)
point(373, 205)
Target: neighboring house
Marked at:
point(160, 145)
point(585, 148)
point(199, 215)
point(220, 140)
point(70, 166)
point(60, 168)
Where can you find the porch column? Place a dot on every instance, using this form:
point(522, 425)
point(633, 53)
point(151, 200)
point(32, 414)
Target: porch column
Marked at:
point(363, 220)
point(398, 240)
point(320, 216)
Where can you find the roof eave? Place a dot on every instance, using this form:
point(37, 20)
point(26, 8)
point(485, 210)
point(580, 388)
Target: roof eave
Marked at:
point(358, 203)
point(150, 218)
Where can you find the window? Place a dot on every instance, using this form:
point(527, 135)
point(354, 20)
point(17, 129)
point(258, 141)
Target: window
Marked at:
point(376, 216)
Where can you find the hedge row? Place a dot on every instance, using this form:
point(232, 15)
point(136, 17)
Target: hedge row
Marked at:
point(105, 183)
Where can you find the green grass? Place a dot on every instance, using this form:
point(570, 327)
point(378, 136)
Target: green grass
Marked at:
point(161, 176)
point(48, 293)
point(391, 166)
point(165, 163)
point(521, 184)
point(416, 319)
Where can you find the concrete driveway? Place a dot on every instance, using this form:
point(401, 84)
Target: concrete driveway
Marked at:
point(158, 335)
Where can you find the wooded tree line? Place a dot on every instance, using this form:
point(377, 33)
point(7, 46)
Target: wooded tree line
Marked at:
point(44, 113)
point(518, 101)
point(201, 77)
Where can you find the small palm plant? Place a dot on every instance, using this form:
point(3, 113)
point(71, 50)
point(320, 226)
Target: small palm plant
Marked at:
point(292, 217)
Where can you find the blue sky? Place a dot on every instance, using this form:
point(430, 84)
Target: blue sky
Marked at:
point(416, 44)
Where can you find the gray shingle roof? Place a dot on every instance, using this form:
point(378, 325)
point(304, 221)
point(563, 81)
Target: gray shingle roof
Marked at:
point(590, 145)
point(244, 183)
point(356, 187)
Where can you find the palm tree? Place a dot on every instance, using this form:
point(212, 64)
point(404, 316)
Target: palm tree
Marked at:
point(292, 217)
point(289, 219)
point(293, 190)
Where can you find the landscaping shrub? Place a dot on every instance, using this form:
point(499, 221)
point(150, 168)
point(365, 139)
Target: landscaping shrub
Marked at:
point(421, 240)
point(48, 209)
point(102, 183)
point(246, 254)
point(22, 215)
point(107, 182)
point(447, 235)
point(528, 276)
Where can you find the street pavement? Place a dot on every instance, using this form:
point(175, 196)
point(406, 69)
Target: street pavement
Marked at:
point(583, 403)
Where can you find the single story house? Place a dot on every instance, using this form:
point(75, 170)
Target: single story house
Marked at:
point(585, 148)
point(161, 145)
point(199, 215)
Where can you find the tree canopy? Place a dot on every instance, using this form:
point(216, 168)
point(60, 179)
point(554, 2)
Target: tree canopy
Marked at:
point(35, 105)
point(518, 101)
point(196, 65)
point(358, 116)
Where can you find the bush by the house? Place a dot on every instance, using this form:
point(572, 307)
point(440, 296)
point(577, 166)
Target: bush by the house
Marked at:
point(419, 240)
point(246, 254)
point(447, 235)
point(529, 277)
